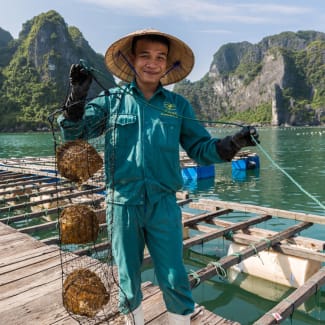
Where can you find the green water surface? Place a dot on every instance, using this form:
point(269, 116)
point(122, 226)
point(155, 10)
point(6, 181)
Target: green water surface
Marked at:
point(298, 151)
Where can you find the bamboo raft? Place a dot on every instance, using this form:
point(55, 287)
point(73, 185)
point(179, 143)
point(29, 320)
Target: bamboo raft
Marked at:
point(31, 196)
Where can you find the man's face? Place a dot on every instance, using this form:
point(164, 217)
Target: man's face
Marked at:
point(150, 61)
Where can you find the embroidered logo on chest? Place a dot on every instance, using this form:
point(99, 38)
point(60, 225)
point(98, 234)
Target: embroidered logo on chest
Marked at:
point(169, 110)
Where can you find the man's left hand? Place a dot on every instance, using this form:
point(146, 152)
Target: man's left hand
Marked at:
point(246, 137)
point(230, 145)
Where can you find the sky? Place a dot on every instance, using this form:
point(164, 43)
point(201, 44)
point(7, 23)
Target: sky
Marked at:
point(205, 25)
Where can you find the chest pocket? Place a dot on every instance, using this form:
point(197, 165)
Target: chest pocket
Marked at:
point(124, 128)
point(168, 138)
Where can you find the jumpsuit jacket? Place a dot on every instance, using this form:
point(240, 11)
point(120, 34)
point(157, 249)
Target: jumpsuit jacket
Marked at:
point(142, 168)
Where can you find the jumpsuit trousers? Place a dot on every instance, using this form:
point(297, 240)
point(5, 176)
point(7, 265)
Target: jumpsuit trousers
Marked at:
point(159, 227)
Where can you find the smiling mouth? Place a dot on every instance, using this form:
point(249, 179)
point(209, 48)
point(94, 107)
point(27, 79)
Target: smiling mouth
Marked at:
point(151, 72)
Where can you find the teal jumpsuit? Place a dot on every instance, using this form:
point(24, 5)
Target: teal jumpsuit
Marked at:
point(142, 168)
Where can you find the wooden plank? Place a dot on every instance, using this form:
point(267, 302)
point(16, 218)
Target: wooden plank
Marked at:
point(227, 261)
point(35, 161)
point(302, 247)
point(45, 226)
point(158, 315)
point(286, 307)
point(13, 177)
point(299, 252)
point(29, 286)
point(306, 242)
point(35, 265)
point(199, 239)
point(21, 256)
point(151, 313)
point(97, 247)
point(207, 204)
point(51, 199)
point(31, 184)
point(4, 173)
point(46, 309)
point(205, 217)
point(27, 170)
point(282, 248)
point(51, 311)
point(5, 230)
point(54, 190)
point(51, 240)
point(183, 202)
point(37, 280)
point(45, 212)
point(11, 242)
point(151, 299)
point(14, 181)
point(17, 299)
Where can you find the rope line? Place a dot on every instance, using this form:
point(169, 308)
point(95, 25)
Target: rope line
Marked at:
point(237, 254)
point(196, 277)
point(229, 235)
point(268, 241)
point(221, 272)
point(288, 175)
point(256, 252)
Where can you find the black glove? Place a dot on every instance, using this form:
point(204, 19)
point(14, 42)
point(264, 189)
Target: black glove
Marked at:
point(230, 145)
point(80, 81)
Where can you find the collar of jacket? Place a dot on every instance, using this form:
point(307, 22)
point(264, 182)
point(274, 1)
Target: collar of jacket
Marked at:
point(160, 89)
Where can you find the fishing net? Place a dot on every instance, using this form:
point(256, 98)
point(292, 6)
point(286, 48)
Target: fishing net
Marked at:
point(78, 225)
point(77, 160)
point(89, 276)
point(84, 293)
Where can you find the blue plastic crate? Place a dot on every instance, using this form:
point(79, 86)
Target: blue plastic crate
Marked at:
point(198, 172)
point(244, 163)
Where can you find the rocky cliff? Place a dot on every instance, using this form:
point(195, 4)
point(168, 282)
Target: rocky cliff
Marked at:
point(34, 70)
point(279, 81)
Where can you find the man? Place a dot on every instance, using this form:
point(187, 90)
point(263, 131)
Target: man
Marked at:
point(144, 124)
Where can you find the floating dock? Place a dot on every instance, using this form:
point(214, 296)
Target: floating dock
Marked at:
point(31, 287)
point(31, 196)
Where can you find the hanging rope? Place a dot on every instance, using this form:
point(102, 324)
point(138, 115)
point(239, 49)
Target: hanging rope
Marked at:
point(196, 277)
point(288, 176)
point(221, 272)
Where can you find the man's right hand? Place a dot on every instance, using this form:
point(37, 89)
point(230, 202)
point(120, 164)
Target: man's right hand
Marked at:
point(80, 81)
point(79, 76)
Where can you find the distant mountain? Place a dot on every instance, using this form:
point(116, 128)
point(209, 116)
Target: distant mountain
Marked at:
point(278, 81)
point(34, 70)
point(5, 38)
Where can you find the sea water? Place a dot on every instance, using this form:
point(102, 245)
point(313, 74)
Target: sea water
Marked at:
point(300, 152)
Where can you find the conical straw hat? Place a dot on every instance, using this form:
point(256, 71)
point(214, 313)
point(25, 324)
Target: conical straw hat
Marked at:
point(118, 57)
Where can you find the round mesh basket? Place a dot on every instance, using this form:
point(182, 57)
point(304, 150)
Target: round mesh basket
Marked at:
point(77, 160)
point(78, 225)
point(84, 293)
